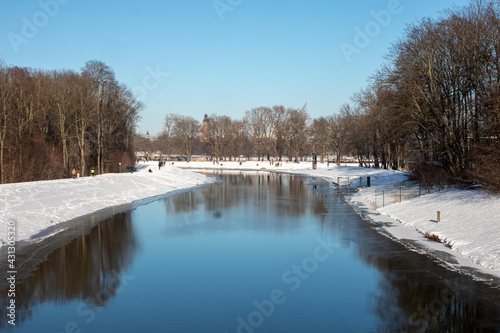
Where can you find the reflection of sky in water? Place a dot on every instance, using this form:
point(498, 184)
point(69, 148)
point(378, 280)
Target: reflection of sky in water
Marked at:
point(205, 261)
point(257, 204)
point(223, 248)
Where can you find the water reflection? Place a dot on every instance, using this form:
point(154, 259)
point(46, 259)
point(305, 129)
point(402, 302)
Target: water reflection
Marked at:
point(89, 269)
point(415, 293)
point(413, 303)
point(281, 197)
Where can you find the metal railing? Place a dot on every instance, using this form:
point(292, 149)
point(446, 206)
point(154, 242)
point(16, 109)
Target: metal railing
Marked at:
point(400, 192)
point(391, 193)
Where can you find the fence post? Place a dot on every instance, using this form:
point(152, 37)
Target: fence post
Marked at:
point(438, 216)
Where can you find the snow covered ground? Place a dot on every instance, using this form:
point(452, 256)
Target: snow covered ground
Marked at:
point(469, 228)
point(470, 222)
point(35, 206)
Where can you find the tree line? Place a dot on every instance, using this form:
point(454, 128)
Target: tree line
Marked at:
point(52, 122)
point(433, 107)
point(436, 102)
point(264, 132)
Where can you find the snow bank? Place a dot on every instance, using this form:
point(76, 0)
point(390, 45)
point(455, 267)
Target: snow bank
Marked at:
point(470, 220)
point(36, 206)
point(469, 224)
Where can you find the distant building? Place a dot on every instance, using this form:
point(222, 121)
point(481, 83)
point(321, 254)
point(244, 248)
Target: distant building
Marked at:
point(303, 110)
point(204, 130)
point(148, 137)
point(200, 158)
point(141, 155)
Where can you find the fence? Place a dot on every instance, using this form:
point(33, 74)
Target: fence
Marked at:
point(352, 183)
point(390, 193)
point(400, 192)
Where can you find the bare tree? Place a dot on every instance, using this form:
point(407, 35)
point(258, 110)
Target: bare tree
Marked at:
point(320, 137)
point(219, 135)
point(297, 133)
point(239, 141)
point(260, 124)
point(6, 96)
point(186, 130)
point(278, 120)
point(337, 132)
point(101, 78)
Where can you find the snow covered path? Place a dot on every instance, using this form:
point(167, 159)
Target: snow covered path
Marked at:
point(36, 206)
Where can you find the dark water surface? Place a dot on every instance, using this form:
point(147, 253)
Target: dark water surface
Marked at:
point(258, 253)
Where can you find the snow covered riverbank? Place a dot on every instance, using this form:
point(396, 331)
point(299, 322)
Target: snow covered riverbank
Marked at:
point(469, 227)
point(35, 206)
point(470, 220)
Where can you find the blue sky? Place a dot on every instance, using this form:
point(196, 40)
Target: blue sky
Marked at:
point(215, 56)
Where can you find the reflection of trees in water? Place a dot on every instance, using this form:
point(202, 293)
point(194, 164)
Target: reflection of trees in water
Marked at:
point(411, 302)
point(275, 194)
point(90, 268)
point(414, 293)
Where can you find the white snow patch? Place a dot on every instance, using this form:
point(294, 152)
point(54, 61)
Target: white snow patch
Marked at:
point(36, 206)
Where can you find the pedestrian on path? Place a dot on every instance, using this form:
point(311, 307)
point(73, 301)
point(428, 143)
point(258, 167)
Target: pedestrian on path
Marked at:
point(92, 171)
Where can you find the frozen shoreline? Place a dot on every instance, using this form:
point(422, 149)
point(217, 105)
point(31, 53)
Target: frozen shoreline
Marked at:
point(469, 230)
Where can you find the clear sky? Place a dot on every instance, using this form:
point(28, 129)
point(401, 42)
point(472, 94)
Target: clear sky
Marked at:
point(225, 56)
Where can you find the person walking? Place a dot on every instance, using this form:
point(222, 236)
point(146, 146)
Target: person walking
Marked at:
point(73, 173)
point(92, 171)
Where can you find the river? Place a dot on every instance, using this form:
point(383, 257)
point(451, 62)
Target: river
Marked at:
point(259, 252)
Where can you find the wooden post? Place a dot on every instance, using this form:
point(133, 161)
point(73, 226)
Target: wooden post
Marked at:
point(439, 216)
